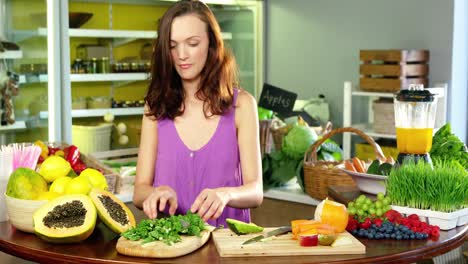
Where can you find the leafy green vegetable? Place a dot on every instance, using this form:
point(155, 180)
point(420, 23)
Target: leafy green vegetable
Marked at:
point(167, 229)
point(264, 114)
point(447, 146)
point(278, 169)
point(444, 188)
point(298, 139)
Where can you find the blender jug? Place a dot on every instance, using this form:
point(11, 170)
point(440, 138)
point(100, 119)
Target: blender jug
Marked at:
point(415, 112)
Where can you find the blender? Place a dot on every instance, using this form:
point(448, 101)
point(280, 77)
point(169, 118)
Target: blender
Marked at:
point(415, 112)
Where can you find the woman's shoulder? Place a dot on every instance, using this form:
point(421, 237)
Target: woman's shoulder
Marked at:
point(244, 99)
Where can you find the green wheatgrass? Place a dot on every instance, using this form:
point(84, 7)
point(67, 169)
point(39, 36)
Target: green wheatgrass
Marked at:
point(444, 188)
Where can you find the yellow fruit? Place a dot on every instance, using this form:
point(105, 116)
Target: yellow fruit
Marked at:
point(332, 213)
point(96, 178)
point(58, 186)
point(54, 167)
point(47, 196)
point(342, 241)
point(78, 185)
point(25, 184)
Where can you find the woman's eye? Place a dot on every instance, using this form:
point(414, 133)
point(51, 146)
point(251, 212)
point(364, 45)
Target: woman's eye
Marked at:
point(193, 44)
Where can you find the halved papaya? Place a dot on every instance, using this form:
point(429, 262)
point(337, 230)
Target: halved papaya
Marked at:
point(66, 219)
point(112, 211)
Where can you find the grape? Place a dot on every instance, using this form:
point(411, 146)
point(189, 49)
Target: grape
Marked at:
point(360, 212)
point(386, 201)
point(352, 211)
point(350, 204)
point(372, 210)
point(368, 201)
point(380, 196)
point(361, 198)
point(379, 212)
point(378, 204)
point(365, 207)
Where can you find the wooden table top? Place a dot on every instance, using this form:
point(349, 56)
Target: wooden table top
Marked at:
point(100, 248)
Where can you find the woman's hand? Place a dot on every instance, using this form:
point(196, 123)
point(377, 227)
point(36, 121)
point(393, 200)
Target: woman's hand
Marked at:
point(158, 200)
point(210, 203)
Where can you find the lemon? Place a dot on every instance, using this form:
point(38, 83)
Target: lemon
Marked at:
point(47, 196)
point(54, 167)
point(96, 178)
point(58, 186)
point(78, 185)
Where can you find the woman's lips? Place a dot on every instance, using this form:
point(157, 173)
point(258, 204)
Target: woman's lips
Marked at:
point(185, 66)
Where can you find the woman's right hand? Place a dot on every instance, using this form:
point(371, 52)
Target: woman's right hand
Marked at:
point(158, 200)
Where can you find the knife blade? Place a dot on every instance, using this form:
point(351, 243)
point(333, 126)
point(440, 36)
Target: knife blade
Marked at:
point(274, 232)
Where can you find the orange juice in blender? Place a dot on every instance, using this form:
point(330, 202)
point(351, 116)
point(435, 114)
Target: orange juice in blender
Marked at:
point(414, 140)
point(415, 111)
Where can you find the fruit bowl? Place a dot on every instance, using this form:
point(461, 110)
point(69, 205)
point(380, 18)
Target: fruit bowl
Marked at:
point(369, 183)
point(21, 212)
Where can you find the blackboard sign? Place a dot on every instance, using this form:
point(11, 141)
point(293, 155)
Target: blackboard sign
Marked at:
point(277, 99)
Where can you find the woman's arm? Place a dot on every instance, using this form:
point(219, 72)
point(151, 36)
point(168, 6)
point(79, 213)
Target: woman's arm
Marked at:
point(146, 160)
point(250, 194)
point(210, 203)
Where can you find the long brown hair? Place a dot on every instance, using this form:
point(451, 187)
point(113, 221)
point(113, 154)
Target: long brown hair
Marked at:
point(165, 96)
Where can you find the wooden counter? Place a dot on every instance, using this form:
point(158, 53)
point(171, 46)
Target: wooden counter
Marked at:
point(100, 248)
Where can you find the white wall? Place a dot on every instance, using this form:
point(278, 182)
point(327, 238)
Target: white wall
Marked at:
point(312, 46)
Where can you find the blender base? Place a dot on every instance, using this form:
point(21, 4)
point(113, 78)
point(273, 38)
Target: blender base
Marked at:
point(403, 158)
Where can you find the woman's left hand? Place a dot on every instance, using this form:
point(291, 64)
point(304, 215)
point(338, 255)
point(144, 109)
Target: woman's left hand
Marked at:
point(210, 203)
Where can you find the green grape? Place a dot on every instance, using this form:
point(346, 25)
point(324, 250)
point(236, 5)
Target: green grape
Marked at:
point(378, 204)
point(386, 201)
point(379, 212)
point(372, 211)
point(360, 212)
point(365, 207)
point(387, 207)
point(368, 201)
point(361, 198)
point(350, 204)
point(380, 196)
point(352, 211)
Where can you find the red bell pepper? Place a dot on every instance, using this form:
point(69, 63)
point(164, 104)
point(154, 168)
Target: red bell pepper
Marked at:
point(72, 155)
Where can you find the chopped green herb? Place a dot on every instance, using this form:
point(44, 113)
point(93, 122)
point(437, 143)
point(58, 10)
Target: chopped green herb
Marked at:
point(167, 229)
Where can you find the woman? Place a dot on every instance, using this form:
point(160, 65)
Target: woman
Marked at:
point(199, 147)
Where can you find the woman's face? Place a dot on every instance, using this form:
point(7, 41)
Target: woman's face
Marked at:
point(189, 46)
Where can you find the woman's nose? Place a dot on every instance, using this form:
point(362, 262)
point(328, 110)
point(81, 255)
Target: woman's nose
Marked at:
point(182, 52)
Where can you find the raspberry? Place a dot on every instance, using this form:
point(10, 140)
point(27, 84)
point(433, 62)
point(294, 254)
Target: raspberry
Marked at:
point(366, 224)
point(378, 222)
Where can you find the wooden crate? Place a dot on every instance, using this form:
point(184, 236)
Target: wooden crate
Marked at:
point(392, 70)
point(125, 184)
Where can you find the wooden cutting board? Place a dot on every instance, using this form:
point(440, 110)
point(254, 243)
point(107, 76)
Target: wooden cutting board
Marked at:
point(158, 249)
point(230, 245)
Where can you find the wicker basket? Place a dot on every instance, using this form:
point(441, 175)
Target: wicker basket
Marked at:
point(320, 174)
point(265, 136)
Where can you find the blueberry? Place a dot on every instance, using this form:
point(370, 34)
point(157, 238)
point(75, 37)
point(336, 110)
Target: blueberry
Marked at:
point(370, 236)
point(354, 232)
point(393, 236)
point(398, 237)
point(373, 226)
point(412, 236)
point(405, 236)
point(387, 235)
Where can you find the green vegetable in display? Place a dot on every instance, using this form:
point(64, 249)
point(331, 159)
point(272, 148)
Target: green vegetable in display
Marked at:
point(264, 114)
point(298, 140)
point(444, 188)
point(446, 146)
point(167, 229)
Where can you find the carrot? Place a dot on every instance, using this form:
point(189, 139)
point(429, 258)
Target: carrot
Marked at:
point(358, 165)
point(349, 166)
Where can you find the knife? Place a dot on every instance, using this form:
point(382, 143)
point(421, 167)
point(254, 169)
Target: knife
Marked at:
point(275, 232)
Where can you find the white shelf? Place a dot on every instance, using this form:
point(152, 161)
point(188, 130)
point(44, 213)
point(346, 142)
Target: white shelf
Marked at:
point(120, 36)
point(368, 129)
point(130, 111)
point(18, 125)
point(109, 77)
point(368, 94)
point(11, 54)
point(98, 77)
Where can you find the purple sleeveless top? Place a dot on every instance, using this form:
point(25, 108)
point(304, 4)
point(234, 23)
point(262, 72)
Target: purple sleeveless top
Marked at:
point(216, 164)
